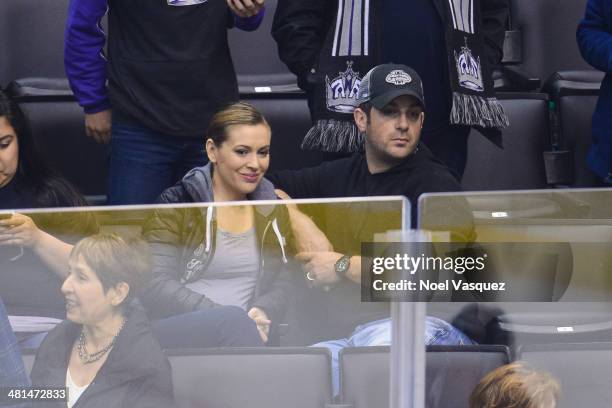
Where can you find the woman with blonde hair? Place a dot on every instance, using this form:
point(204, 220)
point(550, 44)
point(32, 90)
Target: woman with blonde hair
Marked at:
point(221, 266)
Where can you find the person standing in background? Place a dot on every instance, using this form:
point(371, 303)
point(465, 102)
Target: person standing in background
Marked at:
point(166, 71)
point(453, 44)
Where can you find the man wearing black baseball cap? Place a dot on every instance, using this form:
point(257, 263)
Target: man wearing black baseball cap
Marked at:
point(394, 162)
point(390, 114)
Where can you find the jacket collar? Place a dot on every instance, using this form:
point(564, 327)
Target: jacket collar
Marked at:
point(198, 184)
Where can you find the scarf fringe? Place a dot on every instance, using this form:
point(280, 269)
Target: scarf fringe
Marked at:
point(332, 135)
point(474, 110)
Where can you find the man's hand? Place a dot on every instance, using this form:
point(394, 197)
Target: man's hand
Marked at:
point(308, 237)
point(19, 230)
point(98, 126)
point(245, 8)
point(319, 267)
point(261, 320)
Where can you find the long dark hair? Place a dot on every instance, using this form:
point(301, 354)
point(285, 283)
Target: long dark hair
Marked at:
point(34, 176)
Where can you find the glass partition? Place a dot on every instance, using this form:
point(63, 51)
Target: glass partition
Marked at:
point(550, 314)
point(267, 278)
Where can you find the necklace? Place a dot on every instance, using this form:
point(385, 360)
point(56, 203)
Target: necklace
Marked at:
point(87, 358)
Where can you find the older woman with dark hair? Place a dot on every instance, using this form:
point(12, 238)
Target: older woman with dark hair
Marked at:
point(105, 353)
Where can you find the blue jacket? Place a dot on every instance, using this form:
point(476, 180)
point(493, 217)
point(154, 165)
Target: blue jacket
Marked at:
point(88, 69)
point(12, 371)
point(595, 41)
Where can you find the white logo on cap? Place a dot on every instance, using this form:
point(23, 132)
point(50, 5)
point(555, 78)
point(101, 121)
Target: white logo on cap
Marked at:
point(398, 77)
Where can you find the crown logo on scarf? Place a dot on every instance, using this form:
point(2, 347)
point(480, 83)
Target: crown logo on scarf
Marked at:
point(469, 70)
point(342, 91)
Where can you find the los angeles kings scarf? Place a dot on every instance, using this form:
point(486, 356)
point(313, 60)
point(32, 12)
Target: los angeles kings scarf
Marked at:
point(351, 50)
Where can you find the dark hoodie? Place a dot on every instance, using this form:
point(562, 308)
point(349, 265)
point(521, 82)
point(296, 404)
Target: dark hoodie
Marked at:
point(182, 242)
point(135, 374)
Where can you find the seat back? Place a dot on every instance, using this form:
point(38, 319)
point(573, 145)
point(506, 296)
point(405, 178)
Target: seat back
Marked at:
point(576, 101)
point(583, 370)
point(520, 164)
point(251, 377)
point(58, 127)
point(451, 374)
point(31, 38)
point(548, 30)
point(256, 58)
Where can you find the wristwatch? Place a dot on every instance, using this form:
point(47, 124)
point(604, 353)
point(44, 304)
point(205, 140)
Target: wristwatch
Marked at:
point(342, 265)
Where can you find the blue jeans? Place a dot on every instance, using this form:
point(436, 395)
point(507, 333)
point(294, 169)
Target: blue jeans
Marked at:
point(12, 371)
point(227, 326)
point(378, 333)
point(143, 162)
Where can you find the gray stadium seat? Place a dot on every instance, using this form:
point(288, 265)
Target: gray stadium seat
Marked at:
point(57, 124)
point(275, 377)
point(451, 374)
point(31, 38)
point(256, 58)
point(251, 377)
point(582, 368)
point(520, 164)
point(548, 31)
point(575, 94)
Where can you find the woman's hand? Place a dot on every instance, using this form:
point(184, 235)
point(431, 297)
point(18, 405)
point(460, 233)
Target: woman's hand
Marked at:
point(19, 230)
point(245, 8)
point(261, 320)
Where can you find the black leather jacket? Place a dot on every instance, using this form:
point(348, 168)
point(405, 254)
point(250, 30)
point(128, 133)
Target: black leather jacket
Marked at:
point(182, 242)
point(136, 374)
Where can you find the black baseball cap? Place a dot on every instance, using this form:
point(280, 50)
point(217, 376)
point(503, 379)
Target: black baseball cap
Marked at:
point(385, 82)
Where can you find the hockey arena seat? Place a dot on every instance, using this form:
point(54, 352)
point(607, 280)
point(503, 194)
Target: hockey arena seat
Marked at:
point(575, 95)
point(451, 374)
point(31, 39)
point(548, 35)
point(251, 377)
point(58, 125)
point(583, 370)
point(258, 377)
point(520, 164)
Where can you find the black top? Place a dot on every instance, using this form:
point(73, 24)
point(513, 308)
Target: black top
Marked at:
point(11, 197)
point(169, 68)
point(420, 173)
point(350, 177)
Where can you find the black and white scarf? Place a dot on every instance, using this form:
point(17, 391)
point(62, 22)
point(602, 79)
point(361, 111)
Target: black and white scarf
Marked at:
point(351, 50)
